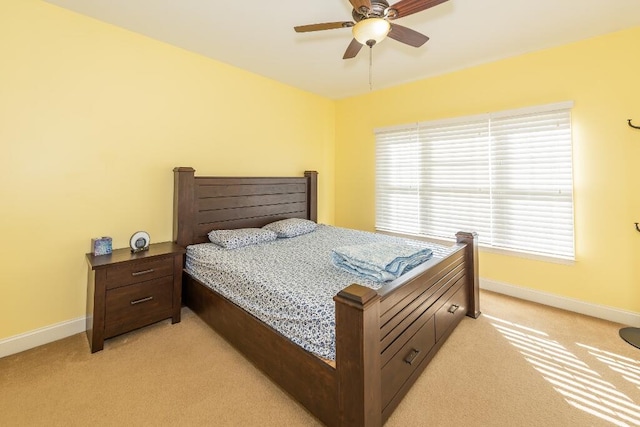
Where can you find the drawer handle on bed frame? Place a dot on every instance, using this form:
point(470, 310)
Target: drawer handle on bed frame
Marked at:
point(411, 356)
point(138, 301)
point(140, 273)
point(453, 308)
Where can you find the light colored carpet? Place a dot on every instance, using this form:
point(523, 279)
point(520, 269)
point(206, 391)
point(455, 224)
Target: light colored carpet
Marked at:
point(519, 364)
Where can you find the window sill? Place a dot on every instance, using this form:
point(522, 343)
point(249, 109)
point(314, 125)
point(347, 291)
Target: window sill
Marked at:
point(489, 249)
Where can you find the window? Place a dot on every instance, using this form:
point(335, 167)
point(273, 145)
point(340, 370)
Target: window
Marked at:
point(506, 175)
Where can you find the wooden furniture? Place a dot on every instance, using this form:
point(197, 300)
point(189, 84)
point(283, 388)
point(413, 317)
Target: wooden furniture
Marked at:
point(384, 338)
point(129, 290)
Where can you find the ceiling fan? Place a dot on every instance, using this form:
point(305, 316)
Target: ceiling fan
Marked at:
point(372, 23)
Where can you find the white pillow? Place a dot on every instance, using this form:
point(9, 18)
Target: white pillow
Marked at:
point(291, 227)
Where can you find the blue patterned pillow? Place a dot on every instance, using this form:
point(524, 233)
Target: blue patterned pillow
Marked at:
point(291, 227)
point(232, 239)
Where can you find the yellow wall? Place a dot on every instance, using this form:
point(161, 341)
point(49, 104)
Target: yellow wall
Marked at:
point(93, 119)
point(601, 76)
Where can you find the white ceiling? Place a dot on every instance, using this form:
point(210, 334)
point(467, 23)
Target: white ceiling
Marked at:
point(258, 35)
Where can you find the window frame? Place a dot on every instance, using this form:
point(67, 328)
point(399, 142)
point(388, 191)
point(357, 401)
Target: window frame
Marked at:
point(565, 252)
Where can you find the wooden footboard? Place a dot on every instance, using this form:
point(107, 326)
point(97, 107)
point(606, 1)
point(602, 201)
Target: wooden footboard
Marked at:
point(384, 338)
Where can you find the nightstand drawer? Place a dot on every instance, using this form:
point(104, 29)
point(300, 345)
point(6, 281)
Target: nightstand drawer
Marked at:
point(134, 272)
point(134, 306)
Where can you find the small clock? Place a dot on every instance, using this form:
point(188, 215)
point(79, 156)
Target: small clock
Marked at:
point(139, 241)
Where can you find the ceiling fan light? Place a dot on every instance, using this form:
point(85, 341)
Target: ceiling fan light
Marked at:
point(371, 29)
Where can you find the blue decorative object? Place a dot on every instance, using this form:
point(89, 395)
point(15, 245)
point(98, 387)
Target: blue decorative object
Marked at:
point(101, 245)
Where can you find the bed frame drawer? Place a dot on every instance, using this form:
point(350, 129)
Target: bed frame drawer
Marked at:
point(134, 306)
point(453, 310)
point(134, 272)
point(407, 360)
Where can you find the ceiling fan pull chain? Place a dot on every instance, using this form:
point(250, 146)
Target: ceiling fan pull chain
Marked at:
point(370, 65)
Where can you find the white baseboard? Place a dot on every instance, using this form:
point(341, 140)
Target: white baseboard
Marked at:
point(594, 310)
point(38, 337)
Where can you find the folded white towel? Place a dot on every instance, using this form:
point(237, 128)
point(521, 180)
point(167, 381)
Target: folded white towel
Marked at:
point(380, 261)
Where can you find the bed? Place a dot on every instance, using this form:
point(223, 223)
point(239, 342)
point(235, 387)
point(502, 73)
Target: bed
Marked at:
point(384, 338)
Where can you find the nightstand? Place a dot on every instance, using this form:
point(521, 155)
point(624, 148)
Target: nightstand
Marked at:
point(126, 290)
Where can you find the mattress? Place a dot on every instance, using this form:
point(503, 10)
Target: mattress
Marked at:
point(289, 283)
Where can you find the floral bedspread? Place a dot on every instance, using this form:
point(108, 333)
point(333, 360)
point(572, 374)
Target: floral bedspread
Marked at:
point(289, 283)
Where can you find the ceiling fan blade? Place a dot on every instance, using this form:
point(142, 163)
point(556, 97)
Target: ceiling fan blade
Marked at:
point(407, 35)
point(357, 4)
point(352, 50)
point(408, 7)
point(324, 26)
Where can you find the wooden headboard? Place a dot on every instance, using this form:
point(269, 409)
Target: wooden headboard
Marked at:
point(205, 203)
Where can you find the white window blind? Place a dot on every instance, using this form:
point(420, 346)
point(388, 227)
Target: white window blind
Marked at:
point(506, 175)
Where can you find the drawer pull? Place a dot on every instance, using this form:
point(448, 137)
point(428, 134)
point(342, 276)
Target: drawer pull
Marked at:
point(411, 356)
point(140, 273)
point(141, 300)
point(453, 308)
